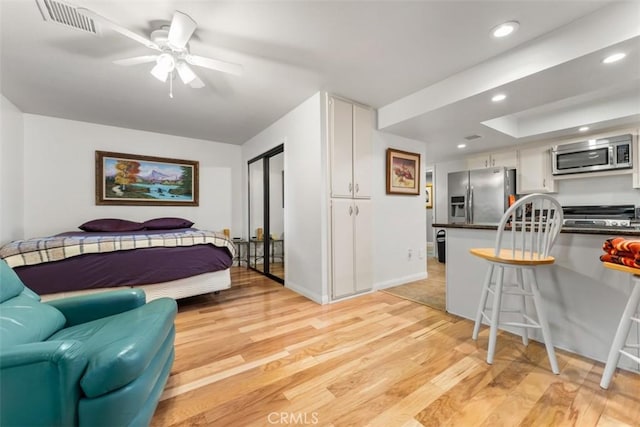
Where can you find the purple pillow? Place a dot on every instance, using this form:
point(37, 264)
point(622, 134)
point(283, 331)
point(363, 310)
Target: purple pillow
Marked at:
point(111, 224)
point(166, 223)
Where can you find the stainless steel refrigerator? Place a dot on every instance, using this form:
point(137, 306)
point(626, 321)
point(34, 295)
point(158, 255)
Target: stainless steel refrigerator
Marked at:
point(480, 196)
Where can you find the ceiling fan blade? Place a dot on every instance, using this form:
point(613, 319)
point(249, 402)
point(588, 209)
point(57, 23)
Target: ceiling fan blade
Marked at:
point(214, 64)
point(181, 29)
point(136, 60)
point(117, 28)
point(196, 83)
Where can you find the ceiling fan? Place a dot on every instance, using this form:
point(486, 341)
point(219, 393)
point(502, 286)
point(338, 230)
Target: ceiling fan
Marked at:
point(172, 44)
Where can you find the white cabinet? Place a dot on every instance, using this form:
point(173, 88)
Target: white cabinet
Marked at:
point(507, 159)
point(534, 171)
point(350, 142)
point(351, 249)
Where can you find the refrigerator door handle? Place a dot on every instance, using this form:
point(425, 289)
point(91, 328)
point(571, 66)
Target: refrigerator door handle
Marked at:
point(466, 205)
point(471, 205)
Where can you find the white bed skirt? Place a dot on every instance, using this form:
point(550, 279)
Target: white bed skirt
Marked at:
point(176, 289)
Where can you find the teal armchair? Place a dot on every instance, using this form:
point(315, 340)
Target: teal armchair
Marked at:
point(96, 360)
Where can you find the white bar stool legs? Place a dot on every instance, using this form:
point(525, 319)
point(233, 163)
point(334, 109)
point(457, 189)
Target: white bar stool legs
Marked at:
point(544, 325)
point(527, 322)
point(620, 339)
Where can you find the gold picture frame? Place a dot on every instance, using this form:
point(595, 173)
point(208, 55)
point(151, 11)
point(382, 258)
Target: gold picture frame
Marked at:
point(428, 194)
point(132, 179)
point(403, 172)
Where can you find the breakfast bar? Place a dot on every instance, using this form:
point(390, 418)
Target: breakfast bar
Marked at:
point(583, 299)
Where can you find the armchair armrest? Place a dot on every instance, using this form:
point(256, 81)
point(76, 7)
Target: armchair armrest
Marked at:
point(85, 308)
point(41, 383)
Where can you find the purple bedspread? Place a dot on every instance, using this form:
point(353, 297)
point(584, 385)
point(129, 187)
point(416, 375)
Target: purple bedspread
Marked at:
point(124, 268)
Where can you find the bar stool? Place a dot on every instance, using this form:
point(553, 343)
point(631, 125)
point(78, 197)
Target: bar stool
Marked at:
point(619, 345)
point(535, 221)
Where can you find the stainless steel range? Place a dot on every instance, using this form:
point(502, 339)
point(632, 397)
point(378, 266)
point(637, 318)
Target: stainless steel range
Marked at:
point(599, 216)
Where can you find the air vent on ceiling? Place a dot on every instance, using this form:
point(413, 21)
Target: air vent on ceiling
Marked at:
point(66, 14)
point(472, 137)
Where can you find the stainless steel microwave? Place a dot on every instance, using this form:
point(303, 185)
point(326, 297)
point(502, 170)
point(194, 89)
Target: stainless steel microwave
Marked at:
point(593, 155)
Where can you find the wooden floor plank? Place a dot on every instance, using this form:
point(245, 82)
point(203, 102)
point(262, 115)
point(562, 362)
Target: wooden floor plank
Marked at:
point(258, 354)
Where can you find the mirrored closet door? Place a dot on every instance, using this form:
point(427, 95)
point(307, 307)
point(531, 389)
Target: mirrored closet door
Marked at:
point(266, 252)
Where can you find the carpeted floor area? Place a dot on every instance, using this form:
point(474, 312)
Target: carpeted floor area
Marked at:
point(430, 291)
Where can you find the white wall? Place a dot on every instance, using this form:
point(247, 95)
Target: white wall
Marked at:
point(398, 220)
point(11, 172)
point(59, 175)
point(304, 212)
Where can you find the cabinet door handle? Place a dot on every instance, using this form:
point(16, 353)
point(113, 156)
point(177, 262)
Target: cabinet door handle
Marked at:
point(544, 182)
point(493, 162)
point(357, 210)
point(357, 188)
point(486, 163)
point(350, 210)
point(350, 187)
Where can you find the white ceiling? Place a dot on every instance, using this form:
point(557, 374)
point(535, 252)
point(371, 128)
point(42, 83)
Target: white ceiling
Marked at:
point(384, 54)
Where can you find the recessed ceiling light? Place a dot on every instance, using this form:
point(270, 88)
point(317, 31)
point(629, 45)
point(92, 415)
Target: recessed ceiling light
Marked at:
point(505, 29)
point(462, 145)
point(614, 58)
point(584, 128)
point(499, 97)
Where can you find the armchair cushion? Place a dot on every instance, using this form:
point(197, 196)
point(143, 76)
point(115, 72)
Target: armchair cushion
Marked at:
point(120, 347)
point(24, 320)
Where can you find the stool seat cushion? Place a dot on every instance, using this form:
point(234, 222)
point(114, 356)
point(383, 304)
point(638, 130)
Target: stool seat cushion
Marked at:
point(623, 268)
point(506, 256)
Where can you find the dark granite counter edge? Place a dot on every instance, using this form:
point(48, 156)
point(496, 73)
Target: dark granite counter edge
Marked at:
point(613, 231)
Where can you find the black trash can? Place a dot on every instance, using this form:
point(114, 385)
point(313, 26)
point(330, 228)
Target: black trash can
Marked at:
point(440, 237)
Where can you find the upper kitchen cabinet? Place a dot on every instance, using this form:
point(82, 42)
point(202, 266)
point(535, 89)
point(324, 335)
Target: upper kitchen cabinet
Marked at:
point(534, 171)
point(508, 159)
point(350, 142)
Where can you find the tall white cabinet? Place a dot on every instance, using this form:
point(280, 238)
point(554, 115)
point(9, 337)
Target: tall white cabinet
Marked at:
point(350, 131)
point(351, 249)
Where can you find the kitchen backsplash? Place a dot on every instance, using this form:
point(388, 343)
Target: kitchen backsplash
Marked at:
point(604, 190)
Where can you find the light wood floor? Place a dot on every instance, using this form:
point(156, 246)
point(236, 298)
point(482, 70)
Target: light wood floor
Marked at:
point(259, 354)
point(430, 291)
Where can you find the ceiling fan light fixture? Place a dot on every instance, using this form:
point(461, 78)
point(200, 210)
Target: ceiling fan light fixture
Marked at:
point(160, 73)
point(185, 72)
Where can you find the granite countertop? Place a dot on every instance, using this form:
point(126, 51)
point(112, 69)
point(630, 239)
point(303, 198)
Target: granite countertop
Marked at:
point(609, 231)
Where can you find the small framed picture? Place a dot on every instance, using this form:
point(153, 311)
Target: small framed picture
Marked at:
point(403, 172)
point(428, 191)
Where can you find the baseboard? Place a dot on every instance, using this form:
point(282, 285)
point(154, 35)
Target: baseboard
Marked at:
point(313, 296)
point(400, 281)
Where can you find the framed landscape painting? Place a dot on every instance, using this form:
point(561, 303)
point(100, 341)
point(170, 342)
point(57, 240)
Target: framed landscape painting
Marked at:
point(131, 179)
point(403, 172)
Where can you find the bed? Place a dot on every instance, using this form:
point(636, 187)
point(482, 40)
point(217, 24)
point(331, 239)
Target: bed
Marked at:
point(177, 263)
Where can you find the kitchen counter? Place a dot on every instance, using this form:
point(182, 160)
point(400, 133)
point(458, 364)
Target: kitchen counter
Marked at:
point(608, 231)
point(571, 288)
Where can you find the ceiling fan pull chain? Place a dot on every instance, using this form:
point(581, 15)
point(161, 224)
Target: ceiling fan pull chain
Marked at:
point(171, 84)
